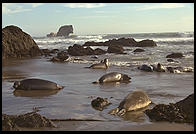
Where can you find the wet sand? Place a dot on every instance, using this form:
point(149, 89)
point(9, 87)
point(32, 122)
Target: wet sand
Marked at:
point(74, 101)
point(114, 126)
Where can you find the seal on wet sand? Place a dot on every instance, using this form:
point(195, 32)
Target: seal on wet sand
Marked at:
point(133, 101)
point(104, 64)
point(36, 84)
point(160, 68)
point(113, 77)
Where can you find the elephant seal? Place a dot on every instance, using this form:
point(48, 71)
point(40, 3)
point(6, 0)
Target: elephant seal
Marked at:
point(133, 101)
point(113, 77)
point(104, 64)
point(36, 84)
point(145, 67)
point(160, 68)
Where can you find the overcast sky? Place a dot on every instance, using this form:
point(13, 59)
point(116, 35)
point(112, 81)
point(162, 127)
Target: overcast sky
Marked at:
point(39, 19)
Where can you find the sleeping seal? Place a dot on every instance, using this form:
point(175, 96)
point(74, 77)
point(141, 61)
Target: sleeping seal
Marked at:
point(113, 77)
point(104, 64)
point(36, 84)
point(133, 101)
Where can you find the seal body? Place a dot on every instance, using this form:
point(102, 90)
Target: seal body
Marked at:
point(104, 64)
point(132, 102)
point(146, 68)
point(114, 77)
point(36, 84)
point(160, 68)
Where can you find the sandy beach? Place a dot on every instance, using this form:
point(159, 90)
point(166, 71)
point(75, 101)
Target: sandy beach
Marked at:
point(74, 101)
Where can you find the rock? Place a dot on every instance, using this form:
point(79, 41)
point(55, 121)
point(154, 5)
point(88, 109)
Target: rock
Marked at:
point(48, 52)
point(118, 49)
point(122, 41)
point(138, 50)
point(65, 30)
point(92, 43)
point(175, 55)
point(99, 51)
point(51, 34)
point(18, 44)
point(61, 57)
point(170, 60)
point(129, 42)
point(28, 120)
point(100, 103)
point(77, 50)
point(182, 111)
point(186, 106)
point(146, 43)
point(54, 51)
point(8, 124)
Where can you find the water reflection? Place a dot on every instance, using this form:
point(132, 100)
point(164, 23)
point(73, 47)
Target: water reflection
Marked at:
point(136, 116)
point(37, 93)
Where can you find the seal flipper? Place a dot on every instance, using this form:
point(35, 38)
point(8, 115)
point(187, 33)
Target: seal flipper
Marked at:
point(95, 82)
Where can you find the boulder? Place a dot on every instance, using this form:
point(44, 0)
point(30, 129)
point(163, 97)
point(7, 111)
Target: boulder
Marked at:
point(182, 111)
point(51, 34)
point(99, 51)
point(122, 41)
point(170, 60)
point(78, 50)
point(128, 42)
point(18, 44)
point(138, 50)
point(113, 48)
point(8, 124)
point(28, 120)
point(100, 103)
point(175, 55)
point(65, 30)
point(146, 43)
point(92, 43)
point(61, 57)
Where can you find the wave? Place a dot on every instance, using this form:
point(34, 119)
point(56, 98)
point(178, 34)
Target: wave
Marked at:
point(160, 38)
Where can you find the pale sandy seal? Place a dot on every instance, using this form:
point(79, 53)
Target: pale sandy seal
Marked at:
point(104, 64)
point(133, 101)
point(113, 77)
point(36, 84)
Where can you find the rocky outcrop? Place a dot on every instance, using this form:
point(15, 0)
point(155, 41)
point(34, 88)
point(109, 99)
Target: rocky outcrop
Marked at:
point(100, 103)
point(182, 111)
point(61, 57)
point(47, 52)
point(99, 51)
point(175, 55)
point(18, 44)
point(146, 43)
point(51, 34)
point(78, 50)
point(28, 120)
point(118, 49)
point(127, 42)
point(65, 30)
point(138, 50)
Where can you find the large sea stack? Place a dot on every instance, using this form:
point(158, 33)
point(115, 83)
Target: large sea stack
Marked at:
point(65, 30)
point(18, 44)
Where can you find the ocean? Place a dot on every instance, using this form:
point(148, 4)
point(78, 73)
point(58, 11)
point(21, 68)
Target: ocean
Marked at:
point(74, 101)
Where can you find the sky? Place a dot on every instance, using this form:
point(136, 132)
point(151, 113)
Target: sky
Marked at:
point(39, 19)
